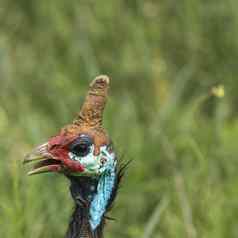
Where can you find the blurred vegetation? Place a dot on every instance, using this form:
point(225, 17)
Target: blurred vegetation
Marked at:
point(165, 58)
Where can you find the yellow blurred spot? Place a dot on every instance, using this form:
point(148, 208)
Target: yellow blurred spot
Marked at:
point(218, 91)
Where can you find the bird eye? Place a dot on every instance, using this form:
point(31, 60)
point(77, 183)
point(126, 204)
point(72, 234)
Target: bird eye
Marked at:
point(81, 146)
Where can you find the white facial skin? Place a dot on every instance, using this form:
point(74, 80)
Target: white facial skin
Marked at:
point(95, 165)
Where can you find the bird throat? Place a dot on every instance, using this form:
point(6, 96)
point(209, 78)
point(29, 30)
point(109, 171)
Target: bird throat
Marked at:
point(92, 196)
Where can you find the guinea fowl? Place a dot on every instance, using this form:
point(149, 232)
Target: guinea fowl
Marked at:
point(83, 152)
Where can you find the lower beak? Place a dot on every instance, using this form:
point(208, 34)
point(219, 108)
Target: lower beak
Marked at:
point(43, 161)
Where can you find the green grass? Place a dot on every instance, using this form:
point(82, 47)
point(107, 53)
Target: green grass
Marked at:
point(164, 59)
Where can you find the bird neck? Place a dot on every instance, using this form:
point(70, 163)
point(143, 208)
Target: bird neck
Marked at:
point(92, 198)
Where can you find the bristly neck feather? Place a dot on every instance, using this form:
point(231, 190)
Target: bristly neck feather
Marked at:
point(82, 189)
point(93, 197)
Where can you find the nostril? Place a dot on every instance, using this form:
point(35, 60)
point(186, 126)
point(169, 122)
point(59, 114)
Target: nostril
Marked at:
point(51, 147)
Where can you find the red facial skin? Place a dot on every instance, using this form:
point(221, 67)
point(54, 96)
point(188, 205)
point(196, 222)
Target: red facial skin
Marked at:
point(58, 148)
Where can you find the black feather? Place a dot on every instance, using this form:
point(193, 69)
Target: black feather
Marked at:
point(82, 193)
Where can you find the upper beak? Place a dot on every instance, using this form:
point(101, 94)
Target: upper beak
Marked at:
point(44, 161)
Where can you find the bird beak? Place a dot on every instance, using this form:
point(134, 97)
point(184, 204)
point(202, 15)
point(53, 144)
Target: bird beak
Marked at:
point(43, 161)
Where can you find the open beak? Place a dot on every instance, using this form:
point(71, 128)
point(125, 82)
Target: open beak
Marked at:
point(43, 161)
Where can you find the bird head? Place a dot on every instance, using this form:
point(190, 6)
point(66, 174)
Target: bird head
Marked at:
point(83, 147)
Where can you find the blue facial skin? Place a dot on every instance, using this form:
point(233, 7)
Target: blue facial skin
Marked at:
point(93, 165)
point(107, 175)
point(104, 191)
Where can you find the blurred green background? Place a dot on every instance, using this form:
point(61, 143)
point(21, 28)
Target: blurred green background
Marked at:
point(171, 63)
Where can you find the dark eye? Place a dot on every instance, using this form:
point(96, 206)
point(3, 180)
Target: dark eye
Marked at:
point(81, 146)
